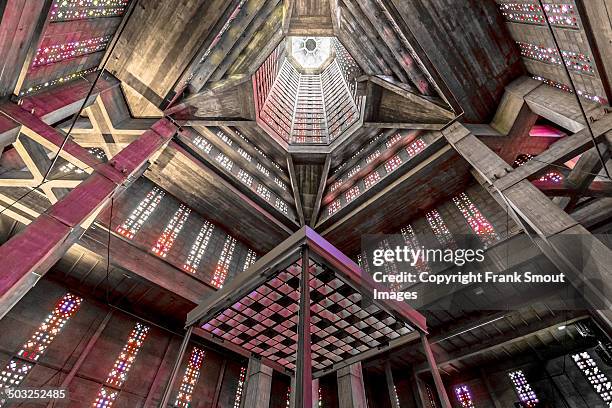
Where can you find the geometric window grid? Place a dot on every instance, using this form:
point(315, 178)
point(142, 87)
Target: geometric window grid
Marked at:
point(523, 389)
point(63, 10)
point(478, 222)
point(225, 138)
point(561, 14)
point(190, 378)
point(552, 176)
point(175, 225)
point(598, 380)
point(245, 177)
point(393, 140)
point(141, 213)
point(50, 327)
point(118, 374)
point(263, 192)
point(464, 396)
point(203, 144)
point(224, 262)
point(371, 179)
point(240, 387)
point(393, 163)
point(225, 161)
point(416, 147)
point(352, 193)
point(353, 171)
point(522, 13)
point(430, 397)
point(280, 183)
point(60, 52)
point(250, 259)
point(412, 242)
point(575, 61)
point(281, 205)
point(244, 154)
point(335, 186)
point(199, 247)
point(373, 156)
point(333, 207)
point(439, 228)
point(14, 373)
point(262, 169)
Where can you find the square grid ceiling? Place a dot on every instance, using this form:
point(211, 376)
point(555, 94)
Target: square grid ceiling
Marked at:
point(262, 317)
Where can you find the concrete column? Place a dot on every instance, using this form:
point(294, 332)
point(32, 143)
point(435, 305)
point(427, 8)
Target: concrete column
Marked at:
point(435, 373)
point(391, 386)
point(351, 391)
point(258, 385)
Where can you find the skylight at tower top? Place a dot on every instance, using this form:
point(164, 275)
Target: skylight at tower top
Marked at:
point(311, 53)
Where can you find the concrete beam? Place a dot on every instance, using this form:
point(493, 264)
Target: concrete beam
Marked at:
point(30, 254)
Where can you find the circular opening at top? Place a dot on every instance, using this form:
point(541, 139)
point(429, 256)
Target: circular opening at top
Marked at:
point(310, 44)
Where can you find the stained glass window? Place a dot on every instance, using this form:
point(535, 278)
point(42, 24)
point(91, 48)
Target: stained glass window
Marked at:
point(175, 225)
point(464, 396)
point(335, 185)
point(69, 168)
point(199, 247)
point(225, 161)
point(97, 153)
point(477, 221)
point(416, 147)
point(141, 213)
point(522, 12)
point(223, 264)
point(263, 192)
point(64, 10)
point(439, 228)
point(190, 378)
point(106, 398)
point(262, 169)
point(244, 154)
point(393, 140)
point(521, 159)
point(250, 259)
point(371, 179)
point(431, 397)
point(372, 156)
point(393, 163)
point(50, 54)
point(14, 373)
point(413, 244)
point(552, 176)
point(353, 171)
point(118, 374)
point(66, 78)
point(226, 139)
point(240, 388)
point(352, 193)
point(17, 368)
point(567, 88)
point(245, 178)
point(288, 398)
point(51, 327)
point(333, 207)
point(598, 380)
point(203, 144)
point(561, 15)
point(281, 205)
point(574, 60)
point(523, 389)
point(280, 183)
